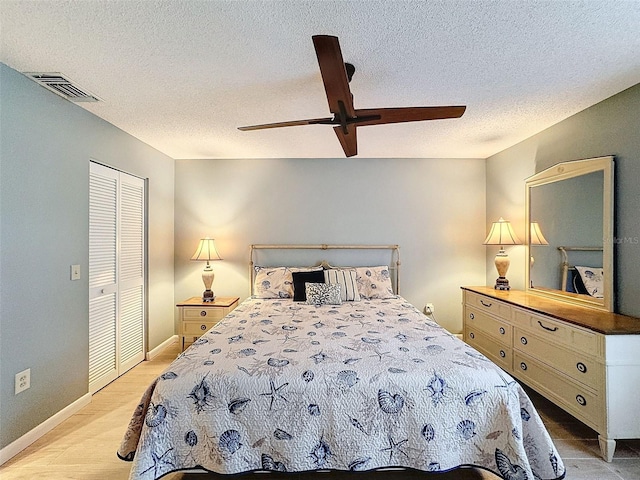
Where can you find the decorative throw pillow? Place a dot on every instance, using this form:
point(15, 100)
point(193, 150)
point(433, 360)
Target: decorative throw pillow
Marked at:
point(593, 280)
point(300, 278)
point(346, 278)
point(374, 282)
point(276, 282)
point(323, 293)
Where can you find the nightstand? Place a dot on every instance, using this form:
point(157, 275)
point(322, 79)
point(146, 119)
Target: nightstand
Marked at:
point(196, 316)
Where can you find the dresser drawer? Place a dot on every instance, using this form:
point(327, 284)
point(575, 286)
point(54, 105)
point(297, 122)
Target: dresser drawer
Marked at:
point(498, 353)
point(202, 313)
point(577, 399)
point(559, 332)
point(492, 326)
point(488, 305)
point(197, 328)
point(576, 364)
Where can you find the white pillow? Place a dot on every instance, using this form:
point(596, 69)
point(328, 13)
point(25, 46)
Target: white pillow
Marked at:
point(346, 278)
point(593, 279)
point(276, 282)
point(374, 282)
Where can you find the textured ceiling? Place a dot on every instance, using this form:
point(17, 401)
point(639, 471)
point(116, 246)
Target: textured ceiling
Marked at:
point(182, 75)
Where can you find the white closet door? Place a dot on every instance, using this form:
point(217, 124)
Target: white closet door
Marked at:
point(116, 274)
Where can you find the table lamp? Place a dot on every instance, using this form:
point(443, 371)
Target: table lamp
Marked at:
point(206, 251)
point(502, 234)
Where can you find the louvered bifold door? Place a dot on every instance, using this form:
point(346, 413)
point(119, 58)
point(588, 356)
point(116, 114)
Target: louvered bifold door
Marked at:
point(131, 272)
point(103, 314)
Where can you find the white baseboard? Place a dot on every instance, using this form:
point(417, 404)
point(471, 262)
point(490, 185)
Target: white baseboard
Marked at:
point(158, 350)
point(49, 424)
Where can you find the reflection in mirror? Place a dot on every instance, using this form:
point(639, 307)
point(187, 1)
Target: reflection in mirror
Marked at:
point(569, 211)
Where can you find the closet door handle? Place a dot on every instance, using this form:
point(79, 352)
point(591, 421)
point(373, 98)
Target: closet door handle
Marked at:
point(485, 304)
point(550, 329)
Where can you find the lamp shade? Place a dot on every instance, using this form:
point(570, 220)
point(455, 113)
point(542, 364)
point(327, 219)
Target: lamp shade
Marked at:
point(537, 238)
point(502, 234)
point(206, 250)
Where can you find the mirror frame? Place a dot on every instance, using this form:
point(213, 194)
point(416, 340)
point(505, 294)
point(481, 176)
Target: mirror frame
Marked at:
point(563, 171)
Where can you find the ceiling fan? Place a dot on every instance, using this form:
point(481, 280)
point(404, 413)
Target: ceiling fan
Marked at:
point(336, 76)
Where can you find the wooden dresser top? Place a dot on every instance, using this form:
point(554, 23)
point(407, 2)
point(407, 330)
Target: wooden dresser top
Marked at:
point(603, 322)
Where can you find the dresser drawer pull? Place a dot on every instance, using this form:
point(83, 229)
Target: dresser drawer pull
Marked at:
point(472, 335)
point(550, 329)
point(582, 368)
point(523, 340)
point(472, 316)
point(581, 400)
point(203, 327)
point(486, 304)
point(203, 313)
point(523, 365)
point(502, 330)
point(502, 354)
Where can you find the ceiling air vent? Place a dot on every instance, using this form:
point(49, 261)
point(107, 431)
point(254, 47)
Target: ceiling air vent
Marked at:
point(61, 85)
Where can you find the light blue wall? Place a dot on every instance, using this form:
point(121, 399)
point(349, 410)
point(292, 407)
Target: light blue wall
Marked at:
point(46, 143)
point(608, 128)
point(432, 208)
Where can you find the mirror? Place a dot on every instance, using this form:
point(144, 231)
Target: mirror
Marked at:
point(569, 211)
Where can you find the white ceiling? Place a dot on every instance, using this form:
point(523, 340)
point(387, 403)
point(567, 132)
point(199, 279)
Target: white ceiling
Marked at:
point(182, 75)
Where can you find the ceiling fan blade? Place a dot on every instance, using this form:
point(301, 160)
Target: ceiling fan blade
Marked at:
point(292, 123)
point(348, 140)
point(379, 116)
point(334, 74)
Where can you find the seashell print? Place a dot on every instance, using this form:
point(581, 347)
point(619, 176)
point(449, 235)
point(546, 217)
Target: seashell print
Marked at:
point(168, 376)
point(508, 470)
point(258, 443)
point(242, 369)
point(436, 387)
point(314, 410)
point(242, 322)
point(276, 362)
point(524, 414)
point(265, 285)
point(230, 441)
point(320, 453)
point(269, 464)
point(434, 349)
point(356, 315)
point(403, 349)
point(208, 362)
point(155, 415)
point(215, 351)
point(473, 397)
point(348, 378)
point(403, 320)
point(477, 356)
point(428, 432)
point(307, 376)
point(433, 467)
point(201, 395)
point(359, 464)
point(289, 328)
point(390, 403)
point(191, 438)
point(494, 435)
point(281, 434)
point(266, 321)
point(315, 342)
point(256, 342)
point(248, 351)
point(338, 334)
point(417, 360)
point(235, 339)
point(372, 341)
point(311, 334)
point(428, 338)
point(318, 324)
point(351, 361)
point(554, 463)
point(237, 405)
point(466, 429)
point(396, 370)
point(358, 425)
point(289, 350)
point(516, 433)
point(201, 341)
point(319, 357)
point(401, 337)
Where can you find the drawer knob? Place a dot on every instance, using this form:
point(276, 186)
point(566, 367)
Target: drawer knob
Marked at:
point(523, 340)
point(523, 365)
point(581, 400)
point(502, 353)
point(549, 329)
point(472, 335)
point(203, 313)
point(488, 305)
point(502, 330)
point(203, 327)
point(472, 316)
point(582, 368)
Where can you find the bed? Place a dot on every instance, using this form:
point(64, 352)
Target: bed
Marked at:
point(329, 383)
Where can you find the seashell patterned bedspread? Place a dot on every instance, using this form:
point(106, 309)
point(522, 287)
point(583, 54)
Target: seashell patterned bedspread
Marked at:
point(281, 385)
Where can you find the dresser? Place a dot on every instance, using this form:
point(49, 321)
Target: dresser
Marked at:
point(196, 316)
point(584, 360)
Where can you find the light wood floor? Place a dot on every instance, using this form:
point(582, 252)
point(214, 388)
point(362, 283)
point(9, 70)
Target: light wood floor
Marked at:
point(83, 447)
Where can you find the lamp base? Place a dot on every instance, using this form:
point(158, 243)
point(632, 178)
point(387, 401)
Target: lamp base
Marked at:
point(208, 296)
point(502, 284)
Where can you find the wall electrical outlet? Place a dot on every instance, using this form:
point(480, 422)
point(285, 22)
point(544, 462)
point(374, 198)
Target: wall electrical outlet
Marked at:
point(23, 380)
point(429, 308)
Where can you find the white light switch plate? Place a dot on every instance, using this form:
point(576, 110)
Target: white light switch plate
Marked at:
point(75, 272)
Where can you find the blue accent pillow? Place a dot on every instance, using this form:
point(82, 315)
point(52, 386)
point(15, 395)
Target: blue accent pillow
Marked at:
point(300, 278)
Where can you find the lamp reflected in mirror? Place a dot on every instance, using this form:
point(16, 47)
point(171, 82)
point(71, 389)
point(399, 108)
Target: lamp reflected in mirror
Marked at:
point(536, 238)
point(502, 234)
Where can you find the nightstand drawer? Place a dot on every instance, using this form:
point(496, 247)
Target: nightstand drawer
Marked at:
point(495, 328)
point(203, 313)
point(196, 328)
point(577, 365)
point(488, 305)
point(500, 354)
